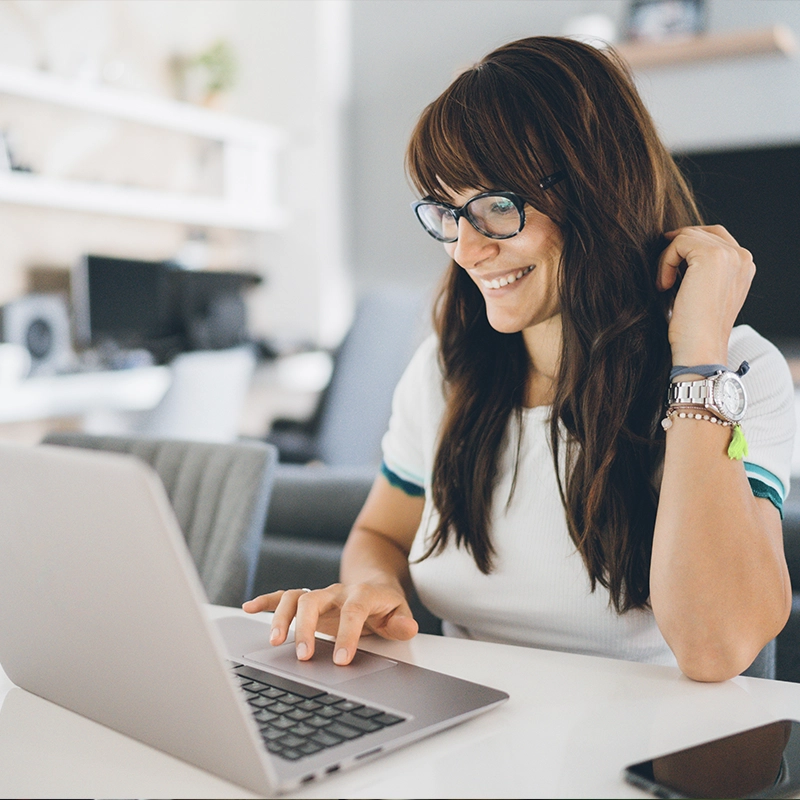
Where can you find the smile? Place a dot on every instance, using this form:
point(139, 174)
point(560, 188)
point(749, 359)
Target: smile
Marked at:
point(512, 277)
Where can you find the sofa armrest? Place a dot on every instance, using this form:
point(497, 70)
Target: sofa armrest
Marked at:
point(317, 502)
point(791, 533)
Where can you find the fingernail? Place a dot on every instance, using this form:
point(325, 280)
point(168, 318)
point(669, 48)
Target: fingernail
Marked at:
point(302, 650)
point(274, 635)
point(340, 656)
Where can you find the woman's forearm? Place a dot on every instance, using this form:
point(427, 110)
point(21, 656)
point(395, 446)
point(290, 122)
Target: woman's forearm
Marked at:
point(371, 557)
point(719, 583)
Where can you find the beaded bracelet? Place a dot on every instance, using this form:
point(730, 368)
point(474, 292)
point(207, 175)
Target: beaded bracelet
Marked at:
point(666, 423)
point(737, 449)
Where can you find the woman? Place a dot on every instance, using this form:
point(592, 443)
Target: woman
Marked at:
point(535, 485)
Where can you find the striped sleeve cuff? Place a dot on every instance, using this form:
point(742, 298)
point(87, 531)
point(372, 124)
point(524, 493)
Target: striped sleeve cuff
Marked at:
point(764, 484)
point(410, 486)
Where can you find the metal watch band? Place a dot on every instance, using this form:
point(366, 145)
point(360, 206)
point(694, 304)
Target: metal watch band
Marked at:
point(690, 393)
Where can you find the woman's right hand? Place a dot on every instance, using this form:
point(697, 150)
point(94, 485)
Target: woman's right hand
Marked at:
point(341, 610)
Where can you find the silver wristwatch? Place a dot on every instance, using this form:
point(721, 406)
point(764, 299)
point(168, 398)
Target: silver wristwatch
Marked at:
point(723, 394)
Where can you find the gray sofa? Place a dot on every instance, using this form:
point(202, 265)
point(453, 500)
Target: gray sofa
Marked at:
point(788, 654)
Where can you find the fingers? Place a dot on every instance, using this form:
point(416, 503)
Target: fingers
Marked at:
point(716, 277)
point(347, 611)
point(264, 602)
point(702, 243)
point(717, 230)
point(395, 622)
point(310, 607)
point(401, 627)
point(287, 606)
point(352, 620)
point(305, 608)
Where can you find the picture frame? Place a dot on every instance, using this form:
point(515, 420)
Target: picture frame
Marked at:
point(660, 20)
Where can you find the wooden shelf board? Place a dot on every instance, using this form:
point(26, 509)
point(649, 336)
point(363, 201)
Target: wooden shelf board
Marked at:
point(736, 44)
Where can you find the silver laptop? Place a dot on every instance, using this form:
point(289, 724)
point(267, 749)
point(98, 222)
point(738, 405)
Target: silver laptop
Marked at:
point(102, 612)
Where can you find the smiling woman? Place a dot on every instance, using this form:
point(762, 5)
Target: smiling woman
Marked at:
point(529, 489)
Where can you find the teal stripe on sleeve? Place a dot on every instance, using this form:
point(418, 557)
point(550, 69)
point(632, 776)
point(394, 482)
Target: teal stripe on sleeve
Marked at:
point(766, 484)
point(411, 489)
point(761, 489)
point(766, 477)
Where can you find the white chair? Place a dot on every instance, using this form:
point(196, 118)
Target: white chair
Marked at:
point(204, 401)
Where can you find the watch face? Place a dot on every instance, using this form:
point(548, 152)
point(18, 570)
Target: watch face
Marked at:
point(729, 396)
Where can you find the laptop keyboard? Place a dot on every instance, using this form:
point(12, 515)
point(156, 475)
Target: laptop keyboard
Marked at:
point(296, 720)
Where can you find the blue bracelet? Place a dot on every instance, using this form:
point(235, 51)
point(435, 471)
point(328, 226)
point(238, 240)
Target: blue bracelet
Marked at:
point(706, 370)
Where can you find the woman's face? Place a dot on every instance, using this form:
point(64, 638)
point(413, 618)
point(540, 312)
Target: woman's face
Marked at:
point(518, 277)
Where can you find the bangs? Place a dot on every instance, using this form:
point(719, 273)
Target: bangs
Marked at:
point(478, 136)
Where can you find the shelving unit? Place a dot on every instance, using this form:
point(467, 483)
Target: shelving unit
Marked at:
point(736, 44)
point(249, 200)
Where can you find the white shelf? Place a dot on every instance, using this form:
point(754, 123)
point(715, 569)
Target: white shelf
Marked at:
point(249, 200)
point(22, 188)
point(736, 44)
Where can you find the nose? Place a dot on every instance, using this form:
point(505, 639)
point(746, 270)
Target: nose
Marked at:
point(471, 247)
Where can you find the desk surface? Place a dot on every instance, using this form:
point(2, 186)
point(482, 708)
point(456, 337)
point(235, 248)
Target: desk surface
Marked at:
point(82, 392)
point(572, 723)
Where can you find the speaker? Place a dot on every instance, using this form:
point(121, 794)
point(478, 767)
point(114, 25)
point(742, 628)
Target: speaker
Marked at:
point(40, 323)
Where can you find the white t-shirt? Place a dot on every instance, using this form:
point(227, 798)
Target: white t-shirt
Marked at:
point(538, 593)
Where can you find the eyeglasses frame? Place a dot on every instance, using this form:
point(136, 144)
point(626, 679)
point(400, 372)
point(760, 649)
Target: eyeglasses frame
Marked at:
point(519, 203)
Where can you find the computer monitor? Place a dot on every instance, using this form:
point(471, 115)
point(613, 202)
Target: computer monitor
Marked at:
point(755, 193)
point(158, 306)
point(125, 301)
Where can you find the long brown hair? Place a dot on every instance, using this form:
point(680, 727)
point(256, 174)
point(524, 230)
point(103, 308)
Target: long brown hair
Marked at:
point(528, 109)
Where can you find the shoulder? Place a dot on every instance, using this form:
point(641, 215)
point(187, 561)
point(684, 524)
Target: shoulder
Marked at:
point(749, 344)
point(419, 392)
point(769, 422)
point(769, 374)
point(428, 349)
point(417, 406)
point(424, 368)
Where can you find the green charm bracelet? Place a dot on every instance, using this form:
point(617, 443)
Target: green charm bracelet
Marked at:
point(737, 449)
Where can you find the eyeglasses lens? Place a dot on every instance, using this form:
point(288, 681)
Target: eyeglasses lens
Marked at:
point(439, 220)
point(494, 216)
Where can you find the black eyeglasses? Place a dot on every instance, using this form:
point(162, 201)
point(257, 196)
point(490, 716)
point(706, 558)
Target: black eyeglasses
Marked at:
point(497, 215)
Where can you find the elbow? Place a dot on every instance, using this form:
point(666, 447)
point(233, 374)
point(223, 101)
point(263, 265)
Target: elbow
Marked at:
point(715, 653)
point(710, 669)
point(714, 662)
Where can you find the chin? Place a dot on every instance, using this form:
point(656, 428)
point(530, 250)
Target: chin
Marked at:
point(504, 325)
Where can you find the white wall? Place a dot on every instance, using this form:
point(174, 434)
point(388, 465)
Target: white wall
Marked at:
point(405, 53)
point(735, 102)
point(292, 58)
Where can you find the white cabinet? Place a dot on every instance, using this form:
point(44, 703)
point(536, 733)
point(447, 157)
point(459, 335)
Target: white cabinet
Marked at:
point(249, 199)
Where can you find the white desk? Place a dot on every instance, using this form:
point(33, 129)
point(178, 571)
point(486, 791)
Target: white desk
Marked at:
point(82, 393)
point(570, 726)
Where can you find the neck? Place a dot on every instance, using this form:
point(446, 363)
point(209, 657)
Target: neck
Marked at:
point(543, 343)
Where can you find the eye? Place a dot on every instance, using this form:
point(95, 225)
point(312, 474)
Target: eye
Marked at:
point(501, 206)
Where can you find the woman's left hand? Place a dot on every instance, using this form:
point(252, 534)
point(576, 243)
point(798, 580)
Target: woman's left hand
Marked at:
point(717, 277)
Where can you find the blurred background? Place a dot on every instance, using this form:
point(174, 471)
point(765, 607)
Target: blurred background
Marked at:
point(184, 177)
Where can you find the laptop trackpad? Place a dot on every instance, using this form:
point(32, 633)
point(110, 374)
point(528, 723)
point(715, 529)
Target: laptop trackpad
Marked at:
point(321, 667)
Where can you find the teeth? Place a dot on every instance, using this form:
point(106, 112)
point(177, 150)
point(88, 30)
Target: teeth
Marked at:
point(497, 283)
